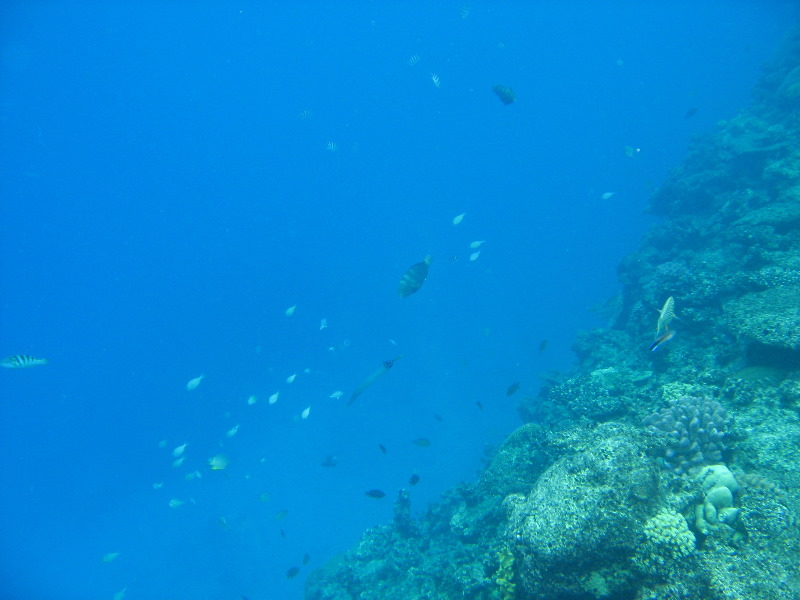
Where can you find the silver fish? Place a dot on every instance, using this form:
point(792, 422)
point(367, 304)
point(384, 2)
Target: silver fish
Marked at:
point(22, 361)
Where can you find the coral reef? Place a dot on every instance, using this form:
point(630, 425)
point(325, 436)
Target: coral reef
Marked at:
point(647, 475)
point(694, 430)
point(669, 532)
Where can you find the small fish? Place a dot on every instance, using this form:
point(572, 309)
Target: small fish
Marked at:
point(465, 10)
point(306, 558)
point(179, 450)
point(252, 400)
point(330, 461)
point(290, 311)
point(691, 112)
point(162, 444)
point(512, 389)
point(336, 395)
point(158, 485)
point(292, 572)
point(662, 339)
point(175, 503)
point(120, 594)
point(232, 431)
point(111, 556)
point(193, 475)
point(218, 462)
point(478, 404)
point(413, 60)
point(282, 532)
point(281, 515)
point(330, 146)
point(458, 218)
point(543, 345)
point(274, 398)
point(382, 448)
point(291, 378)
point(436, 81)
point(414, 480)
point(477, 244)
point(439, 418)
point(413, 278)
point(264, 497)
point(177, 463)
point(607, 195)
point(506, 94)
point(632, 152)
point(22, 361)
point(323, 323)
point(193, 383)
point(422, 442)
point(305, 114)
point(474, 256)
point(305, 413)
point(377, 494)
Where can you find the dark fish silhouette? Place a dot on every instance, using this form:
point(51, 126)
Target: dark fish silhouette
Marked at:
point(330, 461)
point(512, 389)
point(543, 345)
point(293, 572)
point(377, 494)
point(306, 559)
point(506, 94)
point(413, 278)
point(414, 479)
point(422, 443)
point(382, 447)
point(691, 112)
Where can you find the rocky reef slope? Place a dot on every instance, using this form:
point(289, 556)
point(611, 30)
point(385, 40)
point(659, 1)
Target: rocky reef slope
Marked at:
point(647, 475)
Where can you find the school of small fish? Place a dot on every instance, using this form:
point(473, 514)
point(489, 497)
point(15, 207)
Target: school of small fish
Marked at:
point(187, 456)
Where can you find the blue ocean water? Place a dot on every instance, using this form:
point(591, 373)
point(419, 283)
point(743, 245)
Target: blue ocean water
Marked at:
point(176, 176)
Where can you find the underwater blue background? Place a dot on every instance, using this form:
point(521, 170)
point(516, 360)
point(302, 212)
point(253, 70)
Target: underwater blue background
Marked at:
point(167, 193)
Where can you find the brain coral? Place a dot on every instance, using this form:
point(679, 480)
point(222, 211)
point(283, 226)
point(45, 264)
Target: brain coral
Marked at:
point(694, 430)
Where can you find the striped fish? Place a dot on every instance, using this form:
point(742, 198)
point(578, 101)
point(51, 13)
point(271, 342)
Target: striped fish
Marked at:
point(665, 315)
point(22, 361)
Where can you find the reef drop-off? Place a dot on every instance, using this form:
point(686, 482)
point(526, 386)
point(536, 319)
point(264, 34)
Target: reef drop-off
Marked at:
point(647, 475)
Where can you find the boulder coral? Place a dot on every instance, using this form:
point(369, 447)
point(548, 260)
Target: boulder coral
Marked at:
point(694, 431)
